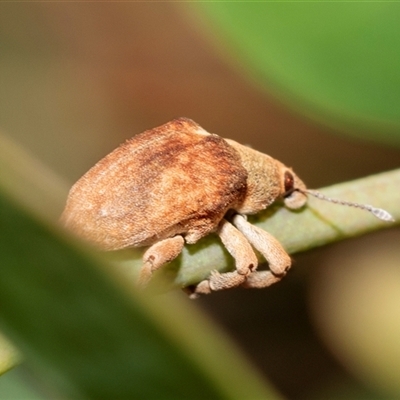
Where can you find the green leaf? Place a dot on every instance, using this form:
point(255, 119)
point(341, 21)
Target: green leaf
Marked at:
point(15, 386)
point(336, 62)
point(9, 356)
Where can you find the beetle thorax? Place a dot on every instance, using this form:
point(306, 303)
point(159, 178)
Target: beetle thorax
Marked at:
point(262, 181)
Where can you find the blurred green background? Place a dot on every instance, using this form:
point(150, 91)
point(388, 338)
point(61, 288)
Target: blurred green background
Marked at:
point(313, 85)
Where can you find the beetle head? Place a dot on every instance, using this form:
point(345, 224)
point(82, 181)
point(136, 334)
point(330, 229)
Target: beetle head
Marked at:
point(293, 190)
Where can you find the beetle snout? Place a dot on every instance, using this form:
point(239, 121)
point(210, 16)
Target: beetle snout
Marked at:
point(295, 200)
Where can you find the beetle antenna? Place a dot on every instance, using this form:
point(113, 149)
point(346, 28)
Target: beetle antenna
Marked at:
point(378, 212)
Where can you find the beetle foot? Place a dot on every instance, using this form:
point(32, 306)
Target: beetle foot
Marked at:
point(261, 279)
point(218, 281)
point(202, 288)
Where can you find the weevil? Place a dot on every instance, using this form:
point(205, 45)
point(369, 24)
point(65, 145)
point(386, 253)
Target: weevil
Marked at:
point(177, 183)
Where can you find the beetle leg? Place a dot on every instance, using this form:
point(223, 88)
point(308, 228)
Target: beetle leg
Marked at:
point(240, 249)
point(159, 254)
point(278, 260)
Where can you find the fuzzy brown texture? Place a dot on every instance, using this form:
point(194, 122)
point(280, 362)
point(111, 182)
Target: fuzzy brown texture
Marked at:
point(174, 179)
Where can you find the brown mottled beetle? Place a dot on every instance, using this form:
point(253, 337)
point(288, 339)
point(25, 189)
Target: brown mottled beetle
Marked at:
point(175, 184)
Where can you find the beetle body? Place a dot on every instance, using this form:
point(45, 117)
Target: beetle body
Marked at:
point(175, 184)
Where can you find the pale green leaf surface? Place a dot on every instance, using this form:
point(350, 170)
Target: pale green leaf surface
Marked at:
point(15, 386)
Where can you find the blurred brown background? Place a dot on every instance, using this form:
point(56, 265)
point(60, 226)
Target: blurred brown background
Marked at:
point(77, 79)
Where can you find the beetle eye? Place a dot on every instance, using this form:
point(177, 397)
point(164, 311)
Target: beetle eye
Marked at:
point(289, 184)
